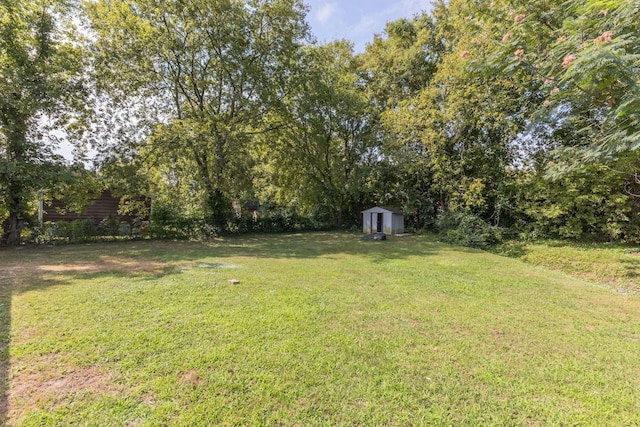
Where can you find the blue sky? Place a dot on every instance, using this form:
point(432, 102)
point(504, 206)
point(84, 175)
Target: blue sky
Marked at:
point(358, 20)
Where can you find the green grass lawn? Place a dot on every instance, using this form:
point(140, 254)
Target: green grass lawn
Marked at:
point(613, 265)
point(323, 329)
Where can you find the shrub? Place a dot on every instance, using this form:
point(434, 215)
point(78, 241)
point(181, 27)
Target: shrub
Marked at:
point(593, 204)
point(277, 221)
point(76, 231)
point(109, 226)
point(466, 229)
point(168, 223)
point(182, 228)
point(322, 215)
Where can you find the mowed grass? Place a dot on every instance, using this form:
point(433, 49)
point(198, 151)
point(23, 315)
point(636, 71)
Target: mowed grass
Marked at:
point(323, 329)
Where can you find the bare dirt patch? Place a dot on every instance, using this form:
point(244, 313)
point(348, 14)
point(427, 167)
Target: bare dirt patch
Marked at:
point(14, 272)
point(106, 263)
point(191, 378)
point(68, 267)
point(47, 383)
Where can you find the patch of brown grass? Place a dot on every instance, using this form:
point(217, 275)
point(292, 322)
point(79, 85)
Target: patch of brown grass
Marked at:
point(191, 378)
point(47, 382)
point(17, 273)
point(106, 263)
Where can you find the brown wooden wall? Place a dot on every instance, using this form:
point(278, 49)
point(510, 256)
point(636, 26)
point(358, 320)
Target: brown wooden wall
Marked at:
point(97, 210)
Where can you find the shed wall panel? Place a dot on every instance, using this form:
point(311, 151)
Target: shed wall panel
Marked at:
point(393, 220)
point(398, 224)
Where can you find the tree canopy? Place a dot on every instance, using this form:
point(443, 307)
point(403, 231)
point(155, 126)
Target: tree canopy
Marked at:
point(215, 70)
point(41, 87)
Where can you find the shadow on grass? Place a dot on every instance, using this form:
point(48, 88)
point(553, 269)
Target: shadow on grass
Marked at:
point(295, 246)
point(277, 246)
point(631, 265)
point(5, 331)
point(513, 249)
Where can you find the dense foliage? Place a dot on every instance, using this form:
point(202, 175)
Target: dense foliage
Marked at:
point(479, 119)
point(41, 84)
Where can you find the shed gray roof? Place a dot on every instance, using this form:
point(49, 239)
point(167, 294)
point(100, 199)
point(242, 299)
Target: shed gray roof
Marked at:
point(386, 208)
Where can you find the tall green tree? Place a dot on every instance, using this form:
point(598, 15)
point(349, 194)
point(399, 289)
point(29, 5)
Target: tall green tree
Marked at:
point(396, 67)
point(447, 125)
point(473, 119)
point(325, 154)
point(581, 59)
point(41, 89)
point(211, 69)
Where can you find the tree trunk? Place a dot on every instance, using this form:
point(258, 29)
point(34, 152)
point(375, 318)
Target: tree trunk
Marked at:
point(219, 207)
point(17, 184)
point(12, 230)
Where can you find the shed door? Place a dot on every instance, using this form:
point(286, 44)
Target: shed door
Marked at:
point(379, 227)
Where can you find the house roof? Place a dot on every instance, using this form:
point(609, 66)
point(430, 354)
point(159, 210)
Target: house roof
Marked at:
point(384, 208)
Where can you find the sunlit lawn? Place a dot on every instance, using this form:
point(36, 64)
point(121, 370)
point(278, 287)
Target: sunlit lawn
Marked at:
point(612, 265)
point(323, 329)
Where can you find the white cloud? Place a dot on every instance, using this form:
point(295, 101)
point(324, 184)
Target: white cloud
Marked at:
point(325, 12)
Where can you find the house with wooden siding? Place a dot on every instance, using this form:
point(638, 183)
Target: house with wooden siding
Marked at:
point(104, 206)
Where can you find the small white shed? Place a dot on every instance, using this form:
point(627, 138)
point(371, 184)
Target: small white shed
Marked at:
point(383, 219)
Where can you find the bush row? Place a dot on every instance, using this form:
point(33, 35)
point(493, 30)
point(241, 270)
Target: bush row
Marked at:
point(460, 228)
point(165, 227)
point(197, 228)
point(86, 230)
